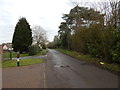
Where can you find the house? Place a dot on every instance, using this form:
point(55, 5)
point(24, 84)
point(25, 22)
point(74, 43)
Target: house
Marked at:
point(7, 46)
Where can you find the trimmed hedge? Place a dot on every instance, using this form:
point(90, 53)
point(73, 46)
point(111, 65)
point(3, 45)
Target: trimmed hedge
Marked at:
point(33, 49)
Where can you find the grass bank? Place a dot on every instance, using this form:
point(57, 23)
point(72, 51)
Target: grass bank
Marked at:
point(22, 62)
point(111, 67)
point(43, 52)
point(7, 55)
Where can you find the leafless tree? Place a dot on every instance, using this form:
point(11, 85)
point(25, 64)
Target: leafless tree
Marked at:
point(110, 11)
point(39, 35)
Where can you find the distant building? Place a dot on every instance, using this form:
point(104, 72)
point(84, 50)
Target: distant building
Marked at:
point(7, 46)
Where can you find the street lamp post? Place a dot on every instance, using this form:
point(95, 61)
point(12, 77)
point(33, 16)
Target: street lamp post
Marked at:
point(10, 50)
point(10, 54)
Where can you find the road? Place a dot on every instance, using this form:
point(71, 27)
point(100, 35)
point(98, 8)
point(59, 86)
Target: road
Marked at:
point(63, 71)
point(58, 71)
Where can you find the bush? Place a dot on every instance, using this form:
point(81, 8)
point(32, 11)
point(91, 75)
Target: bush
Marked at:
point(33, 49)
point(43, 46)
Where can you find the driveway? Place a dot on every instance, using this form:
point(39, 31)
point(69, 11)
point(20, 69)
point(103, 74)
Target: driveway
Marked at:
point(31, 76)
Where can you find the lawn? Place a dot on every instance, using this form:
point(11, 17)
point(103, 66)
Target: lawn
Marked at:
point(7, 55)
point(111, 67)
point(22, 62)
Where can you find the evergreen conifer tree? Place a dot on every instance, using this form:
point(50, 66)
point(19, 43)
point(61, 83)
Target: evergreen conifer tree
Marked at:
point(22, 37)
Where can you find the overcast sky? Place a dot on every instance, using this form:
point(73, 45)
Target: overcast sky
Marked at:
point(46, 13)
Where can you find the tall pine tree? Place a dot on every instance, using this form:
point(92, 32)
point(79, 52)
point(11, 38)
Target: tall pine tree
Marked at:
point(22, 37)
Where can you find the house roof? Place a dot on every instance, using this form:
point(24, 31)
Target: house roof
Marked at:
point(8, 45)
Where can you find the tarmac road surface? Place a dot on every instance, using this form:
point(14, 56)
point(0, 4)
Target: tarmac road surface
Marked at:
point(63, 71)
point(58, 71)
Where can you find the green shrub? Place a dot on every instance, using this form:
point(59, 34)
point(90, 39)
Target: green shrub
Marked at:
point(43, 46)
point(33, 49)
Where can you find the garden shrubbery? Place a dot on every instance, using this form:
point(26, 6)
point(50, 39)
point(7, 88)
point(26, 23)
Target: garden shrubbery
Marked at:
point(34, 49)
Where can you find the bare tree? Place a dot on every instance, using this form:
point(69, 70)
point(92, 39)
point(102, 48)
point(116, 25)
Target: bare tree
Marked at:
point(110, 11)
point(39, 35)
point(119, 14)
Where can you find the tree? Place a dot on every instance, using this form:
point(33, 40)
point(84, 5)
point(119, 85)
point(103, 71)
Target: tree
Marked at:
point(116, 48)
point(56, 41)
point(22, 37)
point(63, 35)
point(87, 30)
point(111, 33)
point(39, 35)
point(78, 21)
point(82, 16)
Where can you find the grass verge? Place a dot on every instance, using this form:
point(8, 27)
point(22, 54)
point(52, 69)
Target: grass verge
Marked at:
point(22, 62)
point(111, 67)
point(7, 55)
point(43, 52)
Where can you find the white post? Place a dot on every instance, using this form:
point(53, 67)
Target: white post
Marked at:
point(18, 55)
